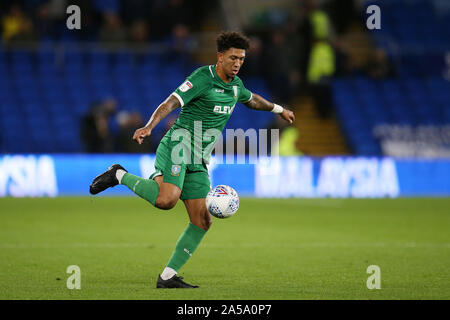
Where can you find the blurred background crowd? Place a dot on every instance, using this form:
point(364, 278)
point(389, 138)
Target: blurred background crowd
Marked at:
point(354, 90)
point(106, 21)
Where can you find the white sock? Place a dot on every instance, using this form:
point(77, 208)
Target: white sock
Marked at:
point(168, 273)
point(119, 174)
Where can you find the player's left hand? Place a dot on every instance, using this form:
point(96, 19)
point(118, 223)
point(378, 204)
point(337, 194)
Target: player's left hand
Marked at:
point(288, 115)
point(141, 133)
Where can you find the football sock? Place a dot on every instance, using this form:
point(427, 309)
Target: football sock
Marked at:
point(186, 245)
point(119, 174)
point(168, 273)
point(147, 189)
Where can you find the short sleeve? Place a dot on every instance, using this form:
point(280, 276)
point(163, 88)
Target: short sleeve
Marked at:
point(244, 94)
point(191, 88)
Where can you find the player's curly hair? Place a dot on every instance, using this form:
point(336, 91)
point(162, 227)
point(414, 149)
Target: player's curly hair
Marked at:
point(232, 39)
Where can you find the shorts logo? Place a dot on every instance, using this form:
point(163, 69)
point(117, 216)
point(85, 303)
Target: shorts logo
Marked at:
point(186, 86)
point(175, 170)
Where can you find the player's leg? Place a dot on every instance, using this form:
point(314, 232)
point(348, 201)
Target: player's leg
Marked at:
point(196, 187)
point(200, 221)
point(198, 214)
point(168, 194)
point(162, 190)
point(163, 195)
point(147, 189)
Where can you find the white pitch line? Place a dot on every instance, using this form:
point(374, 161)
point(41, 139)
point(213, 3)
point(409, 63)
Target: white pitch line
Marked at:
point(221, 245)
point(307, 202)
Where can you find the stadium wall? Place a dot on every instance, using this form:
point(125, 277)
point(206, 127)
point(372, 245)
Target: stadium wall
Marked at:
point(338, 177)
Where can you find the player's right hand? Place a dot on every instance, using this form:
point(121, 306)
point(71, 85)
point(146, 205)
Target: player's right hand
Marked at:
point(141, 133)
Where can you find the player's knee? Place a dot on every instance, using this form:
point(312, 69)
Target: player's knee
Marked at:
point(168, 196)
point(166, 203)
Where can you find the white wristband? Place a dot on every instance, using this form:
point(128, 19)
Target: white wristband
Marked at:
point(277, 108)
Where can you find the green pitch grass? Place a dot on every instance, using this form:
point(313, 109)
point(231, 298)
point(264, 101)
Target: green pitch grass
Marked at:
point(271, 249)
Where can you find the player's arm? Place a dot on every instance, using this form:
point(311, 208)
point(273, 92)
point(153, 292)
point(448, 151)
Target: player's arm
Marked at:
point(259, 103)
point(163, 110)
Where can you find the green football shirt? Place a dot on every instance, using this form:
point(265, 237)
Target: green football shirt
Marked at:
point(207, 103)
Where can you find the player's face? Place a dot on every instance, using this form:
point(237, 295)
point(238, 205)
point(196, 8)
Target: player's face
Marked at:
point(232, 61)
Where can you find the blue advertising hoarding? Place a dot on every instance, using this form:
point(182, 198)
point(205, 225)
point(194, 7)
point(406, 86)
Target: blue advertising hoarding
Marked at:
point(303, 177)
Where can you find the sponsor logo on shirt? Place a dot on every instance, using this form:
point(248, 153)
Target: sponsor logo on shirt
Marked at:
point(223, 109)
point(220, 90)
point(186, 86)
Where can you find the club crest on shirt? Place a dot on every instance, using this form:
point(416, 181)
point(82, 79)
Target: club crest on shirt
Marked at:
point(186, 86)
point(176, 169)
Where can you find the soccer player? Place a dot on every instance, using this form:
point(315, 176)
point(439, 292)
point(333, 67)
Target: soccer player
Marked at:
point(207, 97)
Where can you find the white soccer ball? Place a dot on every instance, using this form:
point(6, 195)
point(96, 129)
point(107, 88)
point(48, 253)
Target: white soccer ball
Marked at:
point(222, 201)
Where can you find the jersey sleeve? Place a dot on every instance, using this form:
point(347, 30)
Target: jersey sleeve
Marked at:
point(245, 95)
point(193, 87)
